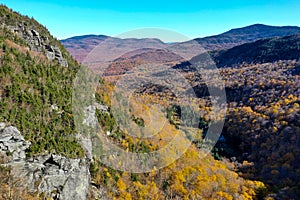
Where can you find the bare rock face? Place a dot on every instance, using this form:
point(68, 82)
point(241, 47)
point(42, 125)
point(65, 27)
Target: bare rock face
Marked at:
point(12, 142)
point(59, 177)
point(39, 43)
point(90, 118)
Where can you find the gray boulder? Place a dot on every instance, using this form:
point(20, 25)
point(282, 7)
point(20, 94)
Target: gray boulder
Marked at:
point(12, 142)
point(59, 177)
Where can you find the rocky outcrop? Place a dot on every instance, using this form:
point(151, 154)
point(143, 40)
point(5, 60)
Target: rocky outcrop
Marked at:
point(39, 43)
point(59, 177)
point(90, 118)
point(12, 142)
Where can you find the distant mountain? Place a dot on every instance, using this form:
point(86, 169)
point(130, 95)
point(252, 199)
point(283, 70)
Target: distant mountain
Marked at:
point(150, 55)
point(246, 34)
point(80, 46)
point(111, 48)
point(261, 51)
point(145, 56)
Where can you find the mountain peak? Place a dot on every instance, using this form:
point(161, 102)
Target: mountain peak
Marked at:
point(265, 29)
point(251, 33)
point(89, 36)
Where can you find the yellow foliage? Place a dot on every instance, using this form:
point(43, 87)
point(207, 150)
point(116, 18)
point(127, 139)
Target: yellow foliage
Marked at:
point(121, 185)
point(275, 111)
point(291, 96)
point(224, 196)
point(248, 109)
point(193, 176)
point(148, 191)
point(125, 196)
point(286, 101)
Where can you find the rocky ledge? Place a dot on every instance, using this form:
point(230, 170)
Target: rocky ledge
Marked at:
point(59, 177)
point(39, 43)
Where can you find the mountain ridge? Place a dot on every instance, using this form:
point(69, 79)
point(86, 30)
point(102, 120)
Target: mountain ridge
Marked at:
point(81, 46)
point(260, 51)
point(251, 33)
point(262, 26)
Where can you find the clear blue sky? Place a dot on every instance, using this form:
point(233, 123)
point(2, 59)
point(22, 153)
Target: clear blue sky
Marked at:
point(193, 18)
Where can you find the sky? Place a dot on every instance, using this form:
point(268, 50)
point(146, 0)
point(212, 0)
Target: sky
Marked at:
point(190, 18)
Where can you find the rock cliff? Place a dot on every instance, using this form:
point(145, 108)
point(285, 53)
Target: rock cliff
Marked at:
point(39, 43)
point(59, 177)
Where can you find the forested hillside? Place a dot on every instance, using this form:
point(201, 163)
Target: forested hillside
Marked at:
point(262, 126)
point(36, 91)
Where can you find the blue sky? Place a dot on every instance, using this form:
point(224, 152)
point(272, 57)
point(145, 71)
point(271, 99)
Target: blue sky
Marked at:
point(192, 18)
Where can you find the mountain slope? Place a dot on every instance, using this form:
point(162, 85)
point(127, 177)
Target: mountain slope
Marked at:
point(262, 127)
point(36, 85)
point(246, 34)
point(261, 51)
point(80, 46)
